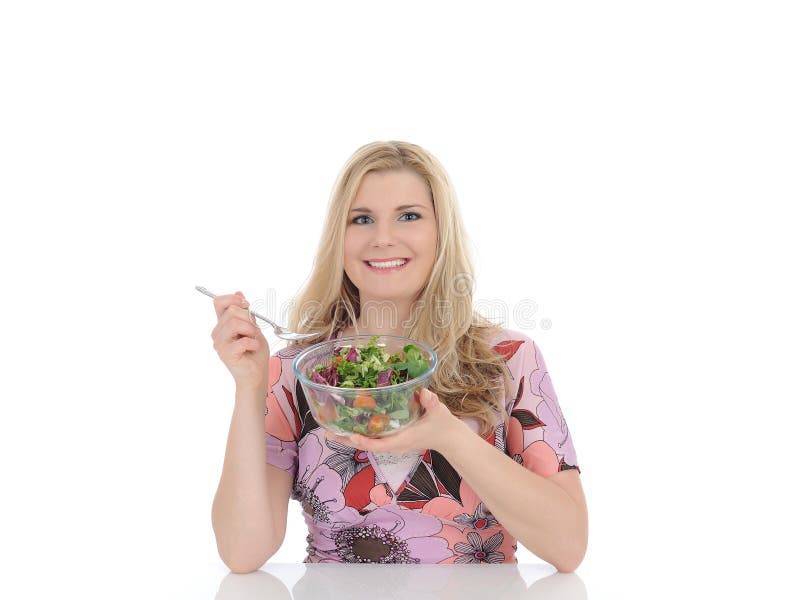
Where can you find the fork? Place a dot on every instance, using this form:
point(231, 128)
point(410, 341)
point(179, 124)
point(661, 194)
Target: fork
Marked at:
point(281, 332)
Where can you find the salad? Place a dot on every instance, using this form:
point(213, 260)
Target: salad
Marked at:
point(369, 366)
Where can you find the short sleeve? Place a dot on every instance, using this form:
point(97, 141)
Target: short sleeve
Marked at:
point(537, 436)
point(281, 422)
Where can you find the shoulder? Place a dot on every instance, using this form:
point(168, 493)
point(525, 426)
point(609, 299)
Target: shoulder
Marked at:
point(289, 352)
point(281, 365)
point(512, 345)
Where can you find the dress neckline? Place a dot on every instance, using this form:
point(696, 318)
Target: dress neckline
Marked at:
point(385, 480)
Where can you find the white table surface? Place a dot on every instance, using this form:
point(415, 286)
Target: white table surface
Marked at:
point(417, 582)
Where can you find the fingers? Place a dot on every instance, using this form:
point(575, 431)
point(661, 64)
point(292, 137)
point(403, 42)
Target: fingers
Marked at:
point(231, 306)
point(242, 345)
point(235, 349)
point(234, 322)
point(354, 441)
point(370, 444)
point(222, 302)
point(339, 438)
point(233, 328)
point(234, 312)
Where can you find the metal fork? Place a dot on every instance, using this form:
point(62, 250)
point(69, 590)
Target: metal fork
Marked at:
point(281, 332)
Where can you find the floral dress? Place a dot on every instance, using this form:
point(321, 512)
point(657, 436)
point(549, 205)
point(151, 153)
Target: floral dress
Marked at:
point(353, 514)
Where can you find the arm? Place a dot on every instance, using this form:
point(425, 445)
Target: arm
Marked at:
point(547, 514)
point(250, 506)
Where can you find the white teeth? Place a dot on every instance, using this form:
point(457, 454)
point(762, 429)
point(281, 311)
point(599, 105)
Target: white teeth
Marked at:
point(388, 264)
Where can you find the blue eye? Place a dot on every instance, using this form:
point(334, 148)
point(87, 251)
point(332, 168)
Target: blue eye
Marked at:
point(408, 214)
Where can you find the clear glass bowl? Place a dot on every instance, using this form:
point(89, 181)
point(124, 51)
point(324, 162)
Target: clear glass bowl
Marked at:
point(372, 412)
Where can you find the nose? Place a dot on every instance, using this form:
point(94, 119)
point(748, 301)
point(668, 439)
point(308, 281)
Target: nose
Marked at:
point(382, 235)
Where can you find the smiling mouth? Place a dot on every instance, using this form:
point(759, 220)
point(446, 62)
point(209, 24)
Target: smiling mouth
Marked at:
point(388, 265)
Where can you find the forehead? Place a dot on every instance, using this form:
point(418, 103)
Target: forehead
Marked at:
point(379, 188)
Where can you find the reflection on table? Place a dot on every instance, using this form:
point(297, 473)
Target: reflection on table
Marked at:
point(418, 582)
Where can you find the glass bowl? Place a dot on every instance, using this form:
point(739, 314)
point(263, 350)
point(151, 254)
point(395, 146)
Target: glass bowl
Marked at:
point(374, 411)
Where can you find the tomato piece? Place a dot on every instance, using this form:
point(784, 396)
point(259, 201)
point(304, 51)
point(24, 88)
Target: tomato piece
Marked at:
point(327, 412)
point(365, 402)
point(378, 423)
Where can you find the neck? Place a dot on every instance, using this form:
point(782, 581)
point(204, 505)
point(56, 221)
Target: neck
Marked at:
point(383, 317)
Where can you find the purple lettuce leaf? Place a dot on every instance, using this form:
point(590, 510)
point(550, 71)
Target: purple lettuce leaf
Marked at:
point(316, 377)
point(385, 378)
point(330, 375)
point(353, 355)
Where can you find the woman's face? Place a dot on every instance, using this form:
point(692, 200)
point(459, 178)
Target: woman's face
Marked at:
point(391, 218)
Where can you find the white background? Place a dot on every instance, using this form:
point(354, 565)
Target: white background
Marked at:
point(629, 167)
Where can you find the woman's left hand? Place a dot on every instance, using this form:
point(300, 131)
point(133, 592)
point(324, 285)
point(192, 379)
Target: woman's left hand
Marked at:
point(433, 430)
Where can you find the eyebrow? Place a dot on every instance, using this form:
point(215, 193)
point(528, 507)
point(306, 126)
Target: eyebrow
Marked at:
point(363, 209)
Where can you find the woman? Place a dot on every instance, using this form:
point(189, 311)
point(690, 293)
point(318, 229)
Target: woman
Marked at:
point(489, 462)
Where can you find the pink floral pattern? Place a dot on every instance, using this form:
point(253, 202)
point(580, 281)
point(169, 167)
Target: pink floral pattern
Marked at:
point(352, 513)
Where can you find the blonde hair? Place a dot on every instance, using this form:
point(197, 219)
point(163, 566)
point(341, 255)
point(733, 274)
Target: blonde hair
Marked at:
point(471, 378)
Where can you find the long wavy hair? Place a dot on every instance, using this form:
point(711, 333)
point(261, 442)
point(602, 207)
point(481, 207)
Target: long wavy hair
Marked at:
point(471, 378)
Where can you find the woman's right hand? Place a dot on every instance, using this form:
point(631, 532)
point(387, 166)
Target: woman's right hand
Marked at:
point(240, 343)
